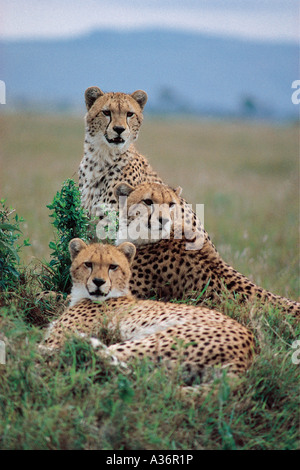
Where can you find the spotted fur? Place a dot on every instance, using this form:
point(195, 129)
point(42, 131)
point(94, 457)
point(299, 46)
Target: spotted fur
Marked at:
point(107, 163)
point(194, 337)
point(170, 271)
point(110, 154)
point(170, 268)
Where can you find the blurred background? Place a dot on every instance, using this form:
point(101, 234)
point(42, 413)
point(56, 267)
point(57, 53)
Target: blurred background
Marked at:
point(220, 121)
point(206, 57)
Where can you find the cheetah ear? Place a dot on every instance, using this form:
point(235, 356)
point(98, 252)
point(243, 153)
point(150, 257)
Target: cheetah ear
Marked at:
point(128, 249)
point(75, 246)
point(178, 191)
point(141, 97)
point(91, 94)
point(123, 189)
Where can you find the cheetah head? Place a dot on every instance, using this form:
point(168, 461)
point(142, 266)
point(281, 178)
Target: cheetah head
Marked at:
point(113, 120)
point(147, 212)
point(100, 271)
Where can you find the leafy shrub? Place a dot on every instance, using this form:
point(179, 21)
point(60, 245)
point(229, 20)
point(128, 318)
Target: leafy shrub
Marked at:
point(10, 234)
point(70, 221)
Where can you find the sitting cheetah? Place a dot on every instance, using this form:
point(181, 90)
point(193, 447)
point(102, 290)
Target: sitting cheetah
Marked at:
point(113, 121)
point(112, 125)
point(163, 266)
point(195, 337)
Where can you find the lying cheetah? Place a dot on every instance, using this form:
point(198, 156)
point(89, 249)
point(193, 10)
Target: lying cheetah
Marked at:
point(194, 337)
point(163, 266)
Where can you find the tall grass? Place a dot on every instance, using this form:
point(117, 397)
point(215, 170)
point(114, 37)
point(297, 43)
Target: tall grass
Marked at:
point(74, 400)
point(247, 177)
point(245, 174)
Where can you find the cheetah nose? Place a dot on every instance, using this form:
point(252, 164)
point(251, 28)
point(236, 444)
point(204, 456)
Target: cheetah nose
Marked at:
point(119, 129)
point(98, 281)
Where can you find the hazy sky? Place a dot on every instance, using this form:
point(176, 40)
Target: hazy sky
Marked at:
point(256, 19)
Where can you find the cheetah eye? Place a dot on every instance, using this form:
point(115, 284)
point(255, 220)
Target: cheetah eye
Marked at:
point(172, 204)
point(113, 267)
point(148, 202)
point(106, 112)
point(130, 114)
point(88, 264)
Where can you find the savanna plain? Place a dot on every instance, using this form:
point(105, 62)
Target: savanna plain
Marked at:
point(247, 176)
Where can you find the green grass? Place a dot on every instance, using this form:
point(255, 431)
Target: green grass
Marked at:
point(73, 400)
point(247, 177)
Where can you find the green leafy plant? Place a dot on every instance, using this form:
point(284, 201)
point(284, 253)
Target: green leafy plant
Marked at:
point(109, 224)
point(70, 221)
point(10, 234)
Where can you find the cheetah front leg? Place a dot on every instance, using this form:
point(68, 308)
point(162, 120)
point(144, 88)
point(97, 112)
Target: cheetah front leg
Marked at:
point(104, 351)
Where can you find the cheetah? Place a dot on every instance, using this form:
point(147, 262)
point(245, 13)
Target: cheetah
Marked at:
point(163, 266)
point(193, 337)
point(112, 125)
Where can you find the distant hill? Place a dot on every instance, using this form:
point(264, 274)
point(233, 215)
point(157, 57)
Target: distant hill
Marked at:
point(181, 72)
